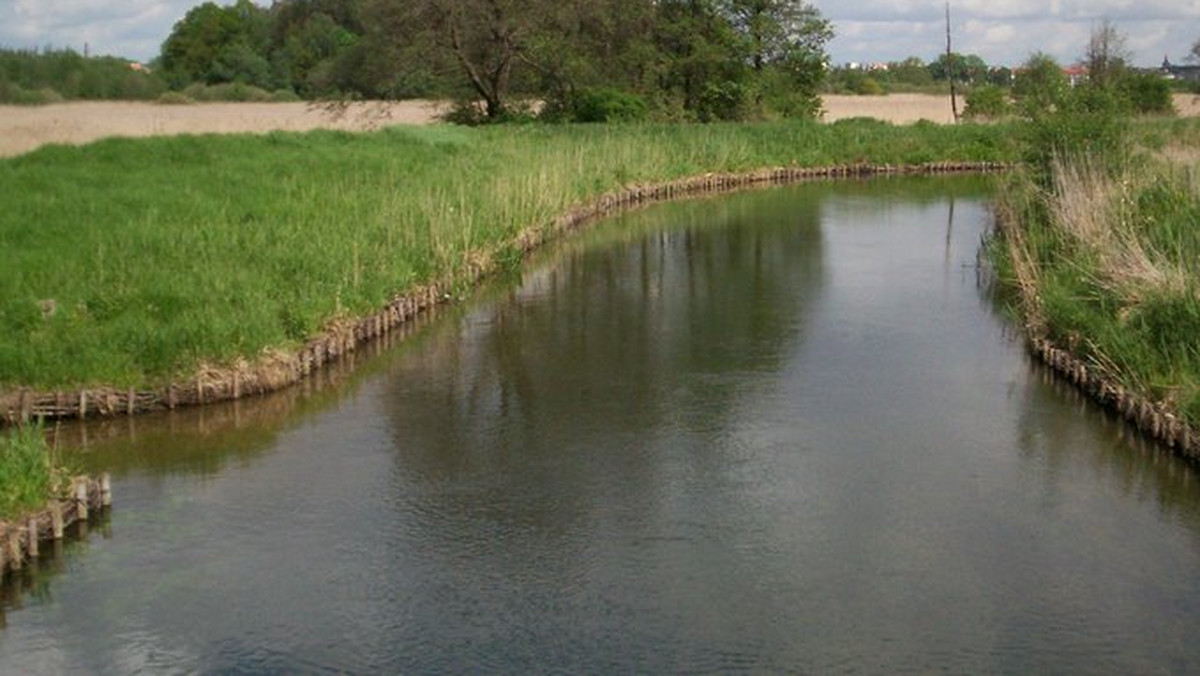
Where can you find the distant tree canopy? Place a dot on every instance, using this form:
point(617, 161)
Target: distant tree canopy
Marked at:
point(51, 75)
point(691, 59)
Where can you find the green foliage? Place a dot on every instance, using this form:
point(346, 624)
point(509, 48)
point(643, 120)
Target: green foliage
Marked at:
point(214, 45)
point(987, 102)
point(1121, 287)
point(162, 253)
point(1040, 86)
point(28, 477)
point(968, 68)
point(1147, 93)
point(50, 76)
point(230, 92)
point(609, 105)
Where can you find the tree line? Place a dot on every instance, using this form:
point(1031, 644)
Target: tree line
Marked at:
point(581, 59)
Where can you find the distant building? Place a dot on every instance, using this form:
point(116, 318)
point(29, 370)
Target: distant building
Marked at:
point(1076, 75)
point(1174, 72)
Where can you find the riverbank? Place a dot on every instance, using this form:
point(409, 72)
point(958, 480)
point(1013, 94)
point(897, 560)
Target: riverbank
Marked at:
point(1100, 257)
point(247, 249)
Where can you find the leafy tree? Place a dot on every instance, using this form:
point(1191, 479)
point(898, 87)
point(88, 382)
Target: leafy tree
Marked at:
point(1040, 85)
point(967, 68)
point(701, 57)
point(216, 44)
point(1106, 56)
point(911, 71)
point(987, 102)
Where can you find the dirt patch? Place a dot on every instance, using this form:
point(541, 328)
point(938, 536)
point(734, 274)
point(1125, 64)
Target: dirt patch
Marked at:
point(909, 108)
point(25, 128)
point(895, 108)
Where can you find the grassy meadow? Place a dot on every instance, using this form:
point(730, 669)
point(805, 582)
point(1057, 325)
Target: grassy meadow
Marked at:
point(132, 262)
point(1104, 253)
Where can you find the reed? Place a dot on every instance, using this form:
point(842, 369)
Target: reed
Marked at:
point(1105, 261)
point(28, 475)
point(133, 262)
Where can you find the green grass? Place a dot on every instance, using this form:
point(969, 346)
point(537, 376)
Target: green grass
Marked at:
point(129, 262)
point(1109, 255)
point(27, 474)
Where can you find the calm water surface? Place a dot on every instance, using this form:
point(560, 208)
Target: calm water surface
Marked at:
point(782, 431)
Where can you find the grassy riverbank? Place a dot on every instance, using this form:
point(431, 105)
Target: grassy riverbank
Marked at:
point(27, 473)
point(129, 263)
point(1103, 251)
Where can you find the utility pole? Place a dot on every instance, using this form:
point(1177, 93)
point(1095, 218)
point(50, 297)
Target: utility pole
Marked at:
point(950, 67)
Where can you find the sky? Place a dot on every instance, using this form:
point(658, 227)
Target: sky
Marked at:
point(1003, 32)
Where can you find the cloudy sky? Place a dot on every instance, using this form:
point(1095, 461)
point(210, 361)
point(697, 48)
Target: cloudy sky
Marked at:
point(1001, 31)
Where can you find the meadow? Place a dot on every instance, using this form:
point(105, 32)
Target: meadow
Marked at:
point(134, 262)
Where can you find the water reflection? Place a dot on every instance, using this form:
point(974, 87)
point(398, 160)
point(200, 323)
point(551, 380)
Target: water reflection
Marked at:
point(778, 431)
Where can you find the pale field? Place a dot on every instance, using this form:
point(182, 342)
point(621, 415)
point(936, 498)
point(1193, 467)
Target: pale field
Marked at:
point(25, 128)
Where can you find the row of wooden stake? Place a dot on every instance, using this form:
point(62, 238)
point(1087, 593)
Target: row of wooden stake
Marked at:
point(20, 540)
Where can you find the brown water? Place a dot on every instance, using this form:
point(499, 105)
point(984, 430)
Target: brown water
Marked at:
point(778, 431)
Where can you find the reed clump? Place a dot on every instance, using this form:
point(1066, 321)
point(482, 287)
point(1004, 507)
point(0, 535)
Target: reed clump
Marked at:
point(132, 263)
point(1105, 258)
point(28, 474)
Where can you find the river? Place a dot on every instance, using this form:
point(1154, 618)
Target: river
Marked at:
point(785, 430)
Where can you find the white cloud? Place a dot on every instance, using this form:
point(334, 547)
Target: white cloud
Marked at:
point(130, 28)
point(1007, 31)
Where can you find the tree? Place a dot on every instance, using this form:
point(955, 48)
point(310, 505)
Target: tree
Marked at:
point(1040, 85)
point(1106, 56)
point(217, 44)
point(967, 68)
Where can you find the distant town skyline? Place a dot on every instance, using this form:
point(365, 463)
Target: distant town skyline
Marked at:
point(1001, 31)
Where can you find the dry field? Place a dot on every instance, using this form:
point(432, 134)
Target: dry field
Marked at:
point(24, 128)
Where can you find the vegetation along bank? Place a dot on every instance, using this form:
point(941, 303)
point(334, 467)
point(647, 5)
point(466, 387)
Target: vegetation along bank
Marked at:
point(136, 264)
point(1099, 251)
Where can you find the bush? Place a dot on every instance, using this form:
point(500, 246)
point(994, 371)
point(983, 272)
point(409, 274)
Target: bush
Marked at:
point(722, 100)
point(15, 94)
point(1147, 94)
point(174, 99)
point(608, 105)
point(235, 92)
point(988, 102)
point(284, 96)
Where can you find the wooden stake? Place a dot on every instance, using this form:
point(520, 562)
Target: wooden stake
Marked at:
point(81, 498)
point(82, 404)
point(31, 542)
point(56, 519)
point(14, 548)
point(105, 490)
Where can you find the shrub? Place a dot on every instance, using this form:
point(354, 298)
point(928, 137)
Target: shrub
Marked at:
point(234, 92)
point(608, 105)
point(284, 96)
point(174, 99)
point(1147, 93)
point(988, 102)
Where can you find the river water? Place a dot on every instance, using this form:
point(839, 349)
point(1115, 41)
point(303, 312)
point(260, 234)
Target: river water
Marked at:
point(779, 431)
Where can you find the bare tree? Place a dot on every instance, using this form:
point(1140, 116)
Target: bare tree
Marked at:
point(1107, 54)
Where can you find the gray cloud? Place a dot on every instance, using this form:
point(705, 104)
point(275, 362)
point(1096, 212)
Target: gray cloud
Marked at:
point(1007, 31)
point(1001, 31)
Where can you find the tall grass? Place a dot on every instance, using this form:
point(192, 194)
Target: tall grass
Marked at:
point(27, 474)
point(1107, 255)
point(129, 262)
